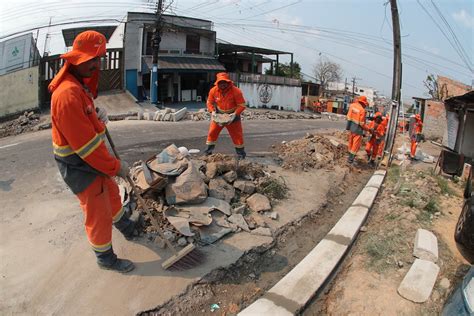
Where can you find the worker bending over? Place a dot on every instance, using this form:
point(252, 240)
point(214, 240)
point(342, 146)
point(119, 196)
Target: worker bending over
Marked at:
point(224, 97)
point(83, 160)
point(377, 132)
point(356, 125)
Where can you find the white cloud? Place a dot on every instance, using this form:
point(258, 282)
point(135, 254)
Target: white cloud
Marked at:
point(464, 18)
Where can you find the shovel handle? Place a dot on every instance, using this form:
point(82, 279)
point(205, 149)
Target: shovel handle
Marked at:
point(153, 220)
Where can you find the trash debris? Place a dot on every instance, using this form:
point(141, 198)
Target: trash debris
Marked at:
point(214, 307)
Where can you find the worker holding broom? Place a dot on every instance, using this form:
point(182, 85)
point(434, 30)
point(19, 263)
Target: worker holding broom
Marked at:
point(356, 126)
point(225, 98)
point(83, 160)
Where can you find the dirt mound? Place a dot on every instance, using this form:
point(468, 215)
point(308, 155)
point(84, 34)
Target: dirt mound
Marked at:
point(27, 122)
point(315, 151)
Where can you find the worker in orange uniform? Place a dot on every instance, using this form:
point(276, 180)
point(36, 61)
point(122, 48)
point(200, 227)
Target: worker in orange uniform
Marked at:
point(385, 121)
point(377, 132)
point(82, 157)
point(224, 97)
point(416, 135)
point(356, 125)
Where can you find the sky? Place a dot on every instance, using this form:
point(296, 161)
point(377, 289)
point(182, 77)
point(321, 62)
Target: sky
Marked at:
point(437, 35)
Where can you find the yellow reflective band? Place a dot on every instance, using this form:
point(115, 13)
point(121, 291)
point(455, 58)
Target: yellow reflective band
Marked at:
point(118, 216)
point(101, 248)
point(62, 151)
point(88, 148)
point(239, 146)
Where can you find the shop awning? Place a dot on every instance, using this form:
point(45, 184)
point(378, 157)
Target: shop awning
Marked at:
point(184, 64)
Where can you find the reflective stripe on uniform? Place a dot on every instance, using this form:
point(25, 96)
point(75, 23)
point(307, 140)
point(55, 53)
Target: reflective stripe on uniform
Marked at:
point(90, 146)
point(102, 248)
point(119, 215)
point(62, 151)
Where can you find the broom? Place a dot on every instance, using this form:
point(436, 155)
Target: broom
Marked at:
point(185, 258)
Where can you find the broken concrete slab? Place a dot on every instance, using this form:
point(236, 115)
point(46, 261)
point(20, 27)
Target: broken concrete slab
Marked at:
point(259, 203)
point(211, 170)
point(247, 187)
point(262, 231)
point(220, 189)
point(273, 215)
point(157, 116)
point(178, 115)
point(230, 176)
point(209, 205)
point(426, 245)
point(239, 210)
point(212, 233)
point(419, 281)
point(239, 220)
point(181, 224)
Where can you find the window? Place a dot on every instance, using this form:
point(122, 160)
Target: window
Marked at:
point(192, 44)
point(360, 90)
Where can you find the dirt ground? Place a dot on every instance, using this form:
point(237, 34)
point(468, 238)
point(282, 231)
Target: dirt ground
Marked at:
point(368, 279)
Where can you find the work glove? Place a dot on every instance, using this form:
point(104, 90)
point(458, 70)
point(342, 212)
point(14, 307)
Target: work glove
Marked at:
point(233, 118)
point(124, 169)
point(102, 115)
point(213, 116)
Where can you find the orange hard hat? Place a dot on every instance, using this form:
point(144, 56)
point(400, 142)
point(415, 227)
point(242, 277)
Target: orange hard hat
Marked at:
point(363, 100)
point(87, 45)
point(223, 76)
point(378, 114)
point(418, 117)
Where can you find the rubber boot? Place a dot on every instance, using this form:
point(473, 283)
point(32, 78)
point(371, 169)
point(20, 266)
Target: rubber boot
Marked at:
point(108, 261)
point(241, 153)
point(350, 159)
point(372, 163)
point(130, 227)
point(209, 150)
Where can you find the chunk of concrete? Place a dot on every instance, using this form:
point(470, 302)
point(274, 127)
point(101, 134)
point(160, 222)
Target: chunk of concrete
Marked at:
point(259, 203)
point(247, 187)
point(239, 220)
point(178, 115)
point(148, 116)
point(426, 245)
point(166, 117)
point(419, 281)
point(211, 170)
point(230, 176)
point(220, 189)
point(157, 116)
point(262, 231)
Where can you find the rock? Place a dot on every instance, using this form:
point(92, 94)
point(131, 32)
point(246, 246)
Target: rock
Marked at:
point(259, 203)
point(259, 220)
point(444, 284)
point(211, 170)
point(252, 275)
point(230, 176)
point(239, 220)
point(190, 240)
point(170, 235)
point(220, 189)
point(262, 231)
point(335, 143)
point(419, 281)
point(160, 242)
point(400, 264)
point(426, 245)
point(247, 187)
point(239, 210)
point(182, 242)
point(273, 215)
point(363, 229)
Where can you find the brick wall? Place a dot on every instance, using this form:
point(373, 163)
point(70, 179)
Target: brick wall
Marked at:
point(451, 88)
point(434, 125)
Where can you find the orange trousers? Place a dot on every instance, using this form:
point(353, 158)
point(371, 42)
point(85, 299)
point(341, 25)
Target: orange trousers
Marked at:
point(102, 207)
point(381, 146)
point(355, 141)
point(372, 148)
point(234, 129)
point(414, 144)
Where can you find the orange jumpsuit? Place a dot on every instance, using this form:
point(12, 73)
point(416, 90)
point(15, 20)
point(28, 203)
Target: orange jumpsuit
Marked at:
point(375, 141)
point(230, 100)
point(415, 137)
point(83, 159)
point(356, 126)
point(385, 121)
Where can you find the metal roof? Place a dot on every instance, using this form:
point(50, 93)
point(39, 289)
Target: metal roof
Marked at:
point(231, 48)
point(185, 64)
point(462, 101)
point(70, 34)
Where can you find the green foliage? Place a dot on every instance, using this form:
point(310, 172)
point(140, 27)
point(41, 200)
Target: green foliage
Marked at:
point(284, 70)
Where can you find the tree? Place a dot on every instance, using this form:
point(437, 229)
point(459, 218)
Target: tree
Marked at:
point(326, 71)
point(431, 83)
point(284, 70)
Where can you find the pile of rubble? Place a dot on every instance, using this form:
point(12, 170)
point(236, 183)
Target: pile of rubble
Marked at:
point(315, 151)
point(201, 200)
point(166, 115)
point(29, 121)
point(249, 114)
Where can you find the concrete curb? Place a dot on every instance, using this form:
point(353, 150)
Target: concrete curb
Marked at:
point(294, 290)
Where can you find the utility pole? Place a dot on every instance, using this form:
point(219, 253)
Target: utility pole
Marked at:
point(397, 77)
point(156, 39)
point(353, 87)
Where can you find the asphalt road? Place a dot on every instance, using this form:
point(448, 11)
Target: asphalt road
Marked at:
point(137, 140)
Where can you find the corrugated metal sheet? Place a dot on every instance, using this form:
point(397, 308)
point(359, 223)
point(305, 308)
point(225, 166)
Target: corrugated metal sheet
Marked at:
point(186, 64)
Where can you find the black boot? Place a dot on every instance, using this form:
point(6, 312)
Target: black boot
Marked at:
point(350, 159)
point(130, 227)
point(108, 261)
point(209, 150)
point(372, 163)
point(241, 153)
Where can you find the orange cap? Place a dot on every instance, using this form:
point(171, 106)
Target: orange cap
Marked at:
point(363, 100)
point(222, 76)
point(87, 45)
point(378, 114)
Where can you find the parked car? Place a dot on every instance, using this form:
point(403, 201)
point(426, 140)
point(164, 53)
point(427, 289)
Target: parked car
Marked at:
point(461, 301)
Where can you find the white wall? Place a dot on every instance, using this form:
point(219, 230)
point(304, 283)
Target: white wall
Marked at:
point(19, 91)
point(16, 53)
point(286, 97)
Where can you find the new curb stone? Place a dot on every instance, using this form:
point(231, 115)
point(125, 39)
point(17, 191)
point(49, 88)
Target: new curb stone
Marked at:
point(294, 290)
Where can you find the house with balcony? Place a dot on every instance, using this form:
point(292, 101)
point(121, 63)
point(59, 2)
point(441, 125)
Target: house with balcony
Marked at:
point(186, 62)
